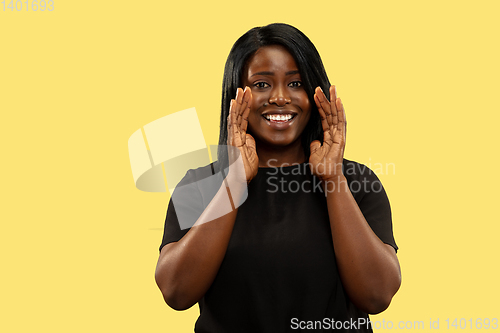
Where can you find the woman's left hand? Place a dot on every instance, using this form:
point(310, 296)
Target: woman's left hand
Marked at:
point(326, 159)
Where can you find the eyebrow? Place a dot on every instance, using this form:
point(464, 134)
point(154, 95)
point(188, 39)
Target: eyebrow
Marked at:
point(272, 73)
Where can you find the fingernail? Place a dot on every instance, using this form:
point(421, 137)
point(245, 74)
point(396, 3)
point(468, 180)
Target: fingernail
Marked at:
point(335, 88)
point(320, 89)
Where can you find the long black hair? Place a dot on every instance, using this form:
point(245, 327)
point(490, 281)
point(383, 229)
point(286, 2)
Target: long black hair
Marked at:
point(309, 64)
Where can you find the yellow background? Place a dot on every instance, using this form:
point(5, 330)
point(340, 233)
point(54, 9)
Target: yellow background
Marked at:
point(79, 243)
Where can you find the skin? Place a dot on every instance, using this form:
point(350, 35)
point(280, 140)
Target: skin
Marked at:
point(276, 86)
point(369, 269)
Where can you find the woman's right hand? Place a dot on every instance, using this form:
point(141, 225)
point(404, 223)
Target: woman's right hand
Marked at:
point(237, 123)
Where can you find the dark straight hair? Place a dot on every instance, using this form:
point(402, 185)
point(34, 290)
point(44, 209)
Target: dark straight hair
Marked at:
point(309, 64)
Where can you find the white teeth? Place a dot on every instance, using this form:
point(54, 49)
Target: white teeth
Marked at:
point(278, 117)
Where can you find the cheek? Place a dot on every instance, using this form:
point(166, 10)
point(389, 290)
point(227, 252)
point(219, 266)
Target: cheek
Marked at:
point(254, 108)
point(306, 106)
point(254, 116)
point(257, 100)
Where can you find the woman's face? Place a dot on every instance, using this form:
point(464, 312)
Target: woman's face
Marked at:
point(280, 108)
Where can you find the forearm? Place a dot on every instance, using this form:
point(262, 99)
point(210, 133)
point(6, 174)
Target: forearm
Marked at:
point(187, 268)
point(369, 269)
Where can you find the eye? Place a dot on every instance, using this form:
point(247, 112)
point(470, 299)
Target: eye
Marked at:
point(261, 85)
point(295, 84)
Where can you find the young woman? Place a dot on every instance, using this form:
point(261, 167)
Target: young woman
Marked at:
point(311, 247)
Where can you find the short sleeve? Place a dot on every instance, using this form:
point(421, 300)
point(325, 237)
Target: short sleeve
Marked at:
point(372, 200)
point(187, 203)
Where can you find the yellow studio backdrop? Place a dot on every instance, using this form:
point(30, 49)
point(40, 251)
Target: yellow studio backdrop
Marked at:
point(79, 243)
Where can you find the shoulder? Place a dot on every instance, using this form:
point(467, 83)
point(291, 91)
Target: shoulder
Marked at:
point(371, 198)
point(191, 196)
point(361, 179)
point(354, 169)
point(198, 187)
point(195, 175)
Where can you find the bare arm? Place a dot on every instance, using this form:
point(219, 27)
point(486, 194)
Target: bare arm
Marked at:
point(369, 269)
point(187, 268)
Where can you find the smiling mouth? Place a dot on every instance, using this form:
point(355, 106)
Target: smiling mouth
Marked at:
point(279, 118)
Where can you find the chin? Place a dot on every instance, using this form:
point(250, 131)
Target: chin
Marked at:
point(280, 142)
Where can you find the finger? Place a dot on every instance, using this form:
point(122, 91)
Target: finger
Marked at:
point(341, 114)
point(243, 106)
point(234, 129)
point(239, 95)
point(246, 112)
point(340, 127)
point(232, 110)
point(229, 115)
point(333, 103)
point(322, 115)
point(327, 106)
point(229, 129)
point(333, 93)
point(344, 121)
point(233, 107)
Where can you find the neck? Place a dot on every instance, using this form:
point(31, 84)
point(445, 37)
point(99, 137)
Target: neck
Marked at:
point(276, 156)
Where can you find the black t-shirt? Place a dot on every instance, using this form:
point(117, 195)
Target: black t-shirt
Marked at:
point(279, 273)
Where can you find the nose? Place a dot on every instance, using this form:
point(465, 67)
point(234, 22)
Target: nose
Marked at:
point(279, 96)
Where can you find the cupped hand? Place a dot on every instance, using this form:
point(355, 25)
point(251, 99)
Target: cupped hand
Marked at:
point(326, 159)
point(237, 123)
